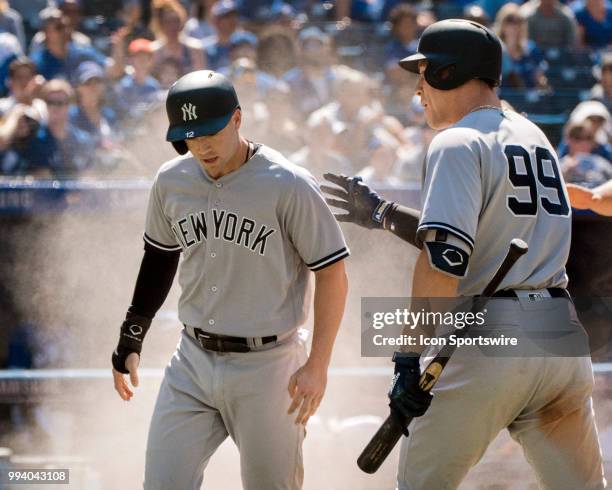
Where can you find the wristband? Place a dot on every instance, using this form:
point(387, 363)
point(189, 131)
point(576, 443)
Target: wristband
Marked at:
point(381, 211)
point(132, 334)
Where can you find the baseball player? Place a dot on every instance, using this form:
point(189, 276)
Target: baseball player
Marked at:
point(490, 176)
point(250, 227)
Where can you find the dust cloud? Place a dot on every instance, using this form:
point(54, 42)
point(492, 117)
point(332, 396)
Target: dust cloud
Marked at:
point(72, 276)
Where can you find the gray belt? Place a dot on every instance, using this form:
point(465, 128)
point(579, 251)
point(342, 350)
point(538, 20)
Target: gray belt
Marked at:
point(227, 343)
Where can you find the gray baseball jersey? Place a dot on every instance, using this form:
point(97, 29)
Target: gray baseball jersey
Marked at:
point(489, 178)
point(248, 241)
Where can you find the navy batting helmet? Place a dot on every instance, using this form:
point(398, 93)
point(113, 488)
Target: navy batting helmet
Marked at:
point(200, 103)
point(457, 51)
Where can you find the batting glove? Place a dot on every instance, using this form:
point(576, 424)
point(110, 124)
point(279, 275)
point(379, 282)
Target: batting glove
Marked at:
point(407, 399)
point(365, 207)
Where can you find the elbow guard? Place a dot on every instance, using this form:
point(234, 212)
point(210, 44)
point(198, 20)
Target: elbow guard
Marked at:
point(447, 253)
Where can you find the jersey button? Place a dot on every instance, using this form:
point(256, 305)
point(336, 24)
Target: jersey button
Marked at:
point(211, 322)
point(214, 289)
point(217, 202)
point(218, 185)
point(213, 254)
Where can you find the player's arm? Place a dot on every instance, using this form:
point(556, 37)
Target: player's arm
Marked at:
point(452, 203)
point(155, 277)
point(431, 282)
point(366, 208)
point(598, 199)
point(331, 286)
point(318, 240)
point(154, 281)
point(405, 396)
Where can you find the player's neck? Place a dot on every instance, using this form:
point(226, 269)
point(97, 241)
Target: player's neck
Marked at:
point(474, 101)
point(238, 159)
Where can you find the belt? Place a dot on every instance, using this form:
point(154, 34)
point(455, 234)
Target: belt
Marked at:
point(228, 343)
point(554, 293)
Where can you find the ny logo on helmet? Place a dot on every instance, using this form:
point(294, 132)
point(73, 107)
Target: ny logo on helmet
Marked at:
point(189, 112)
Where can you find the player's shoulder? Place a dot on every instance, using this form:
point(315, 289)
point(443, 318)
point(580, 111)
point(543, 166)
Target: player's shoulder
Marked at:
point(184, 166)
point(280, 169)
point(522, 123)
point(455, 138)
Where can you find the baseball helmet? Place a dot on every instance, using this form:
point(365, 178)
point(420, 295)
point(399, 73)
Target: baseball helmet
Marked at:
point(200, 103)
point(457, 51)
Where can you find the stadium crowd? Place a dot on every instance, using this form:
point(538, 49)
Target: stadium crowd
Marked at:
point(83, 89)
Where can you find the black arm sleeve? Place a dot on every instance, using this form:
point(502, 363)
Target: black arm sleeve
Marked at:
point(403, 222)
point(154, 281)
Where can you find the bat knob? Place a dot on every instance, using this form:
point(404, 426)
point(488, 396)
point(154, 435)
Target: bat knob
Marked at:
point(518, 246)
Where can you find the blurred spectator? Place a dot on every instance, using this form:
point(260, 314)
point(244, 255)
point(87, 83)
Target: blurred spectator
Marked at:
point(595, 114)
point(225, 19)
point(56, 148)
point(18, 153)
point(311, 83)
point(256, 10)
point(581, 165)
point(594, 19)
point(132, 17)
point(360, 112)
point(523, 62)
point(243, 56)
point(137, 90)
point(276, 51)
point(551, 24)
point(404, 40)
point(90, 114)
point(167, 21)
point(71, 13)
point(11, 21)
point(9, 50)
point(476, 13)
point(418, 135)
point(242, 44)
point(269, 13)
point(360, 10)
point(67, 149)
point(59, 57)
point(167, 71)
point(602, 91)
point(199, 25)
point(24, 86)
point(383, 150)
point(257, 119)
point(491, 7)
point(319, 155)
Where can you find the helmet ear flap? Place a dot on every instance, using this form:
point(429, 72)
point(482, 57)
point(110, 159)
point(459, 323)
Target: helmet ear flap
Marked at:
point(443, 78)
point(180, 147)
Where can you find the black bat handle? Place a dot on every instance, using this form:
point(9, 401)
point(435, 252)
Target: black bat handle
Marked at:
point(517, 248)
point(383, 442)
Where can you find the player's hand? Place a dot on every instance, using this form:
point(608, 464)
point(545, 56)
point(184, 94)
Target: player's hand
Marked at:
point(121, 385)
point(406, 397)
point(306, 388)
point(365, 207)
point(581, 197)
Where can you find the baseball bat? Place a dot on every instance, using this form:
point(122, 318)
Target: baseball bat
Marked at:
point(385, 439)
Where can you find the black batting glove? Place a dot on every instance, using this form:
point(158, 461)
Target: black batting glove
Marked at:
point(365, 207)
point(407, 399)
point(131, 336)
